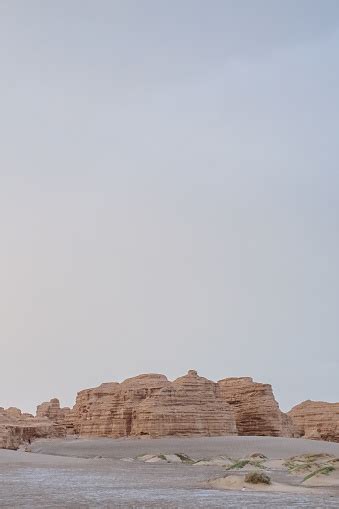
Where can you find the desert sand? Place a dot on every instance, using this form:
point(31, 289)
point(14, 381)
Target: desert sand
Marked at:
point(207, 447)
point(167, 473)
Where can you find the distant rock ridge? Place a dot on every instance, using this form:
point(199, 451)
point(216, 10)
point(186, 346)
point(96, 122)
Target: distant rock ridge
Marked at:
point(17, 428)
point(151, 405)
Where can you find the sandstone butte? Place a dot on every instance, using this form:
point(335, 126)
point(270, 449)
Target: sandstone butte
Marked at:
point(151, 405)
point(317, 420)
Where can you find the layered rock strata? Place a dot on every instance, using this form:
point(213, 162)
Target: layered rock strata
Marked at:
point(51, 409)
point(17, 428)
point(188, 406)
point(255, 409)
point(152, 405)
point(316, 420)
point(191, 405)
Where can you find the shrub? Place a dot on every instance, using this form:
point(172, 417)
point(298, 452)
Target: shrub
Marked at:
point(257, 478)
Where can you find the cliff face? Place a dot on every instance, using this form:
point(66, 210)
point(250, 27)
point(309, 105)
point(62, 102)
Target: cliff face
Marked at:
point(152, 405)
point(255, 408)
point(107, 410)
point(316, 420)
point(191, 405)
point(17, 427)
point(188, 406)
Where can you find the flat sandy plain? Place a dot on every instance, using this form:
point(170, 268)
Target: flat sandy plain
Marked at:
point(108, 473)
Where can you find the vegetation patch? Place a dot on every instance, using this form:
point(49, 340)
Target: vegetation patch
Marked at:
point(316, 457)
point(299, 466)
point(258, 464)
point(238, 464)
point(257, 478)
point(311, 464)
point(324, 471)
point(184, 458)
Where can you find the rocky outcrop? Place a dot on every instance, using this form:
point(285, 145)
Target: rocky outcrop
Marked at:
point(51, 409)
point(316, 420)
point(17, 428)
point(107, 410)
point(189, 406)
point(255, 408)
point(152, 405)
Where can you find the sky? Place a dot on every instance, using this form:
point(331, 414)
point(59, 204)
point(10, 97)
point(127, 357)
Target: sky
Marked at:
point(169, 194)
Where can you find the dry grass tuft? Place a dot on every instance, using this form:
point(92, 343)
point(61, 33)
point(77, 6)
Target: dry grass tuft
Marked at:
point(257, 478)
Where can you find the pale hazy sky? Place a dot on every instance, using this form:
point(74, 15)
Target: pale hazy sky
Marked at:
point(169, 194)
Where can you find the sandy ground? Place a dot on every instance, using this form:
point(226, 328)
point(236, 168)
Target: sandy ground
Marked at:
point(205, 447)
point(90, 473)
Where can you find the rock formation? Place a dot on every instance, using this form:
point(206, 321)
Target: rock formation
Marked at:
point(188, 406)
point(255, 408)
point(51, 409)
point(191, 405)
point(317, 420)
point(152, 405)
point(17, 427)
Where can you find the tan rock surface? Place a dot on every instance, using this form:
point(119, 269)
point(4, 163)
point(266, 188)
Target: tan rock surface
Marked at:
point(188, 406)
point(107, 410)
point(16, 428)
point(51, 409)
point(151, 405)
point(316, 420)
point(255, 408)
